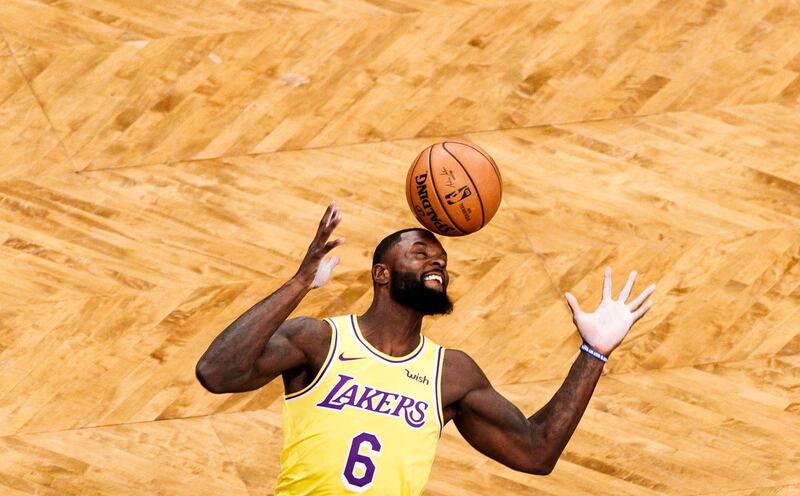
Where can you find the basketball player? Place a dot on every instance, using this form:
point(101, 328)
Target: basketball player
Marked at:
point(367, 396)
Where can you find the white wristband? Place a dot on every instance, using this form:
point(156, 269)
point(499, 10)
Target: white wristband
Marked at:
point(585, 348)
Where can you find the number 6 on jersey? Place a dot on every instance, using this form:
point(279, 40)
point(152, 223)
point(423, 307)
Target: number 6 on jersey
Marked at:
point(359, 470)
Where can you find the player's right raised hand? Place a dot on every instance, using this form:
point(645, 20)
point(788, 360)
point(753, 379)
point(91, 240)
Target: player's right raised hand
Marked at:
point(315, 270)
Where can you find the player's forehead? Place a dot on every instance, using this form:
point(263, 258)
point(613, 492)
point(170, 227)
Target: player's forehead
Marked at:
point(412, 239)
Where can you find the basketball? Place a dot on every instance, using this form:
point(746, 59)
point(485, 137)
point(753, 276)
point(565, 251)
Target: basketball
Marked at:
point(454, 188)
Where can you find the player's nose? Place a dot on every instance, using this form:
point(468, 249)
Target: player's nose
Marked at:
point(439, 262)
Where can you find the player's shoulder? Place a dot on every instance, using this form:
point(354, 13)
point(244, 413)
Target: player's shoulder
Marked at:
point(458, 359)
point(461, 371)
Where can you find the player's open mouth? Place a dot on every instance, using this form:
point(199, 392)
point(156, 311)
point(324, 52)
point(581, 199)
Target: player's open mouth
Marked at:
point(433, 280)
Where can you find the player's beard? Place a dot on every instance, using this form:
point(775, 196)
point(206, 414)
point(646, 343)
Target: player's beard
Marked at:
point(407, 290)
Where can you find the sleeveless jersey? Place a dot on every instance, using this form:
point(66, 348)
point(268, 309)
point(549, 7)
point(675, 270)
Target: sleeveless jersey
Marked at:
point(368, 422)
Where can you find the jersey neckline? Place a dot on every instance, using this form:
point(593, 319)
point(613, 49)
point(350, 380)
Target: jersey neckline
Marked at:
point(378, 353)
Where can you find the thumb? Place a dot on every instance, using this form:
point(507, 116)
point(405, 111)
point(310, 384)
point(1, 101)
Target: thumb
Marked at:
point(573, 304)
point(324, 270)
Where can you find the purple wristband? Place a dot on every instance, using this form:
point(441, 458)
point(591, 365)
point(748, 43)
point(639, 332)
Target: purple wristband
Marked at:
point(585, 348)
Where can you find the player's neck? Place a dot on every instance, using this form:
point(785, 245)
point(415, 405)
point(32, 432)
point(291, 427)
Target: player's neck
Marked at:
point(390, 327)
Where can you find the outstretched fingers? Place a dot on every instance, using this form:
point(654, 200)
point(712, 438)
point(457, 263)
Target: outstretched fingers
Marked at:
point(638, 314)
point(626, 291)
point(326, 218)
point(635, 304)
point(573, 304)
point(327, 224)
point(334, 221)
point(330, 245)
point(607, 284)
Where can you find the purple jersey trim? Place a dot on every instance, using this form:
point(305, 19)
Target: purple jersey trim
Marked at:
point(369, 348)
point(436, 389)
point(321, 373)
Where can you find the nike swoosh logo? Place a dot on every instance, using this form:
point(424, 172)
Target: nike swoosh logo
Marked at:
point(345, 359)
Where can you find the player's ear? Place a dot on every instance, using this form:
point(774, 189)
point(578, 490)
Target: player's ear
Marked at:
point(380, 274)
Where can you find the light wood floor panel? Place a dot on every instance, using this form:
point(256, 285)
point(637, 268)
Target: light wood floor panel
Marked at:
point(29, 144)
point(172, 457)
point(654, 177)
point(4, 50)
point(71, 23)
point(42, 24)
point(792, 490)
point(257, 456)
point(336, 81)
point(770, 153)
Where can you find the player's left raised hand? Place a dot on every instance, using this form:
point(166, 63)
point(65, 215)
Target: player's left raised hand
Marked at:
point(605, 328)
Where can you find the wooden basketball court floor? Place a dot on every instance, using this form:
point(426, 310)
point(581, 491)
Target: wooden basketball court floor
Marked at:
point(164, 164)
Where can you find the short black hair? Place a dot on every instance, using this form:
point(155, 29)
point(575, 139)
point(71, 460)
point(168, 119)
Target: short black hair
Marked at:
point(391, 240)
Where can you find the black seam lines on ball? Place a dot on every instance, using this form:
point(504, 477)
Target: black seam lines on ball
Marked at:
point(488, 159)
point(474, 185)
point(436, 190)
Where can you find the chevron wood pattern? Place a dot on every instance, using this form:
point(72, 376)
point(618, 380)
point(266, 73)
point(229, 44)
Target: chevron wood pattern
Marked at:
point(791, 490)
point(138, 102)
point(123, 459)
point(29, 144)
point(74, 23)
point(165, 165)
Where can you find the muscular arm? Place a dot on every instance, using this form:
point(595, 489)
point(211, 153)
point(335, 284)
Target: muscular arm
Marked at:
point(499, 430)
point(258, 346)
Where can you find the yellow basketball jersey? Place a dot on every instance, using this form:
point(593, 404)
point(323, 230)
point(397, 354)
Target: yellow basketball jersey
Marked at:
point(367, 423)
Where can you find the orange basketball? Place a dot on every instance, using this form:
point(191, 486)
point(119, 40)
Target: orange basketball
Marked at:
point(454, 188)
